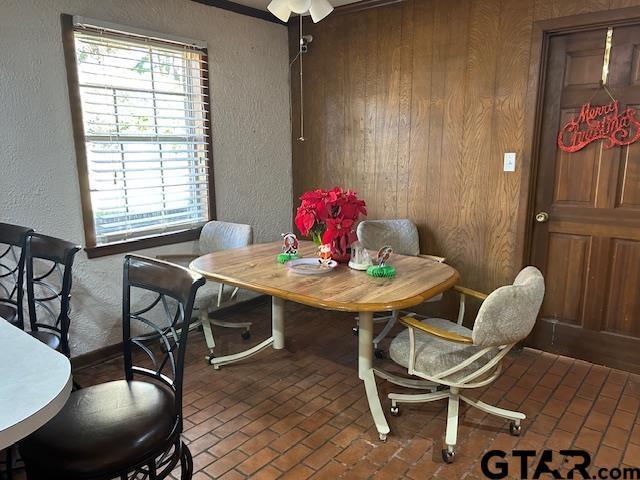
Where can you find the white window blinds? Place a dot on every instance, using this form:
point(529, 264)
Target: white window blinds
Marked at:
point(144, 110)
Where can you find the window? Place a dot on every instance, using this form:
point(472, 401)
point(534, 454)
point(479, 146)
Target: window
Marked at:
point(145, 137)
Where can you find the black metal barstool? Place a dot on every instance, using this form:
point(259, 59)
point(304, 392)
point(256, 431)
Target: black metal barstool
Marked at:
point(127, 427)
point(12, 252)
point(48, 265)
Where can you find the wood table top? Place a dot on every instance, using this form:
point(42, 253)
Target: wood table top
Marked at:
point(255, 268)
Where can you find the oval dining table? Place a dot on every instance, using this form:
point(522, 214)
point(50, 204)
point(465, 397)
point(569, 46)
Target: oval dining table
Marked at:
point(343, 289)
point(35, 383)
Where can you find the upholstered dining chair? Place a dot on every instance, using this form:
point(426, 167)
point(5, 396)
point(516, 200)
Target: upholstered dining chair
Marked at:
point(402, 235)
point(12, 250)
point(216, 236)
point(454, 357)
point(125, 428)
point(48, 265)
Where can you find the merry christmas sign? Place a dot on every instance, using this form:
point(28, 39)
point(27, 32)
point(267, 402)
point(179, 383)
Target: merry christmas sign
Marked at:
point(600, 122)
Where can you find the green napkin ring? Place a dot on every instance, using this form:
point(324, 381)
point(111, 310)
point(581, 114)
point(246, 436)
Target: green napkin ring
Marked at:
point(285, 257)
point(381, 271)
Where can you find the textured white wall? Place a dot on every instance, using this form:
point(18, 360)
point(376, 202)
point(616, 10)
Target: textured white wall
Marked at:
point(38, 178)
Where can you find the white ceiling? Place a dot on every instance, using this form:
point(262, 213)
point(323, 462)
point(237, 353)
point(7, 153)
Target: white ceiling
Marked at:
point(262, 4)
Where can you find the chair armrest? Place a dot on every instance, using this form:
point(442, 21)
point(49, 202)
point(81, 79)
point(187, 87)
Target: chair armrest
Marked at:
point(436, 332)
point(470, 292)
point(182, 259)
point(435, 258)
point(185, 257)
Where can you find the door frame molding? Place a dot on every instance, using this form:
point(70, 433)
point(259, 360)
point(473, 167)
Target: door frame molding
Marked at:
point(543, 30)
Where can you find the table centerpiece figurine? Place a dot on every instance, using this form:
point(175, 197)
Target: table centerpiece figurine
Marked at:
point(324, 255)
point(360, 258)
point(289, 248)
point(329, 217)
point(382, 269)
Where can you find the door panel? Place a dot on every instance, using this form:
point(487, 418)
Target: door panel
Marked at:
point(629, 178)
point(576, 172)
point(624, 298)
point(589, 250)
point(583, 68)
point(583, 58)
point(635, 65)
point(566, 271)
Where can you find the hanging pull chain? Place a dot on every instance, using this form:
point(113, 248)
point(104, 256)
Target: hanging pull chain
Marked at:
point(301, 138)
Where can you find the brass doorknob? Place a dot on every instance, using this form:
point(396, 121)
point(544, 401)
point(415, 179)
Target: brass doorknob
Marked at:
point(542, 217)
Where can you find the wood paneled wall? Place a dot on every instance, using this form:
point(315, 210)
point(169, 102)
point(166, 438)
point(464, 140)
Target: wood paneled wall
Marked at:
point(413, 105)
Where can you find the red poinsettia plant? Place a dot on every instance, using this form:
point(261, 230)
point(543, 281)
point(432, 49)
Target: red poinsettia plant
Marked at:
point(329, 217)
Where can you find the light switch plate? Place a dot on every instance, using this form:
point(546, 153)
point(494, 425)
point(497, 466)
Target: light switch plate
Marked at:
point(510, 162)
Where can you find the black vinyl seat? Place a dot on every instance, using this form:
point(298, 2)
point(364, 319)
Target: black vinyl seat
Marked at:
point(125, 428)
point(114, 424)
point(48, 338)
point(9, 313)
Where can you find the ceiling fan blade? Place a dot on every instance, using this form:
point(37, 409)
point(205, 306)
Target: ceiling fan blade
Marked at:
point(320, 9)
point(280, 8)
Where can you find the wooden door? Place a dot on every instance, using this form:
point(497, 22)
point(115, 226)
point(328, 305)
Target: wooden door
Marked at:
point(589, 249)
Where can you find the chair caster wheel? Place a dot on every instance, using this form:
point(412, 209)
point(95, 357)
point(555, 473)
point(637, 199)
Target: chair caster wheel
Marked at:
point(379, 353)
point(395, 411)
point(355, 331)
point(448, 455)
point(514, 429)
point(246, 335)
point(383, 437)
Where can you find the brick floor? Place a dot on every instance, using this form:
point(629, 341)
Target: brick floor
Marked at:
point(301, 412)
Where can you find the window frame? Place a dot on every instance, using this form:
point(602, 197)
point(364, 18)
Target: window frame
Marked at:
point(154, 240)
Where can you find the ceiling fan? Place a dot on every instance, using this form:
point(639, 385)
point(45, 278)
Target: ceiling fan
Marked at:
point(318, 9)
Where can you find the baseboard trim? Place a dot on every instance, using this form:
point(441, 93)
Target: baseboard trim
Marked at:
point(97, 356)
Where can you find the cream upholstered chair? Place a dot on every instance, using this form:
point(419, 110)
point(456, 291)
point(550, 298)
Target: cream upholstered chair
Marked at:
point(216, 236)
point(402, 236)
point(452, 356)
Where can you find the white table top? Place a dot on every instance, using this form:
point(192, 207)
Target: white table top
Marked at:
point(35, 383)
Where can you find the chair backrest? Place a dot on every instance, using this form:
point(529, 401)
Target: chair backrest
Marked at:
point(49, 262)
point(164, 320)
point(217, 236)
point(12, 243)
point(401, 235)
point(509, 313)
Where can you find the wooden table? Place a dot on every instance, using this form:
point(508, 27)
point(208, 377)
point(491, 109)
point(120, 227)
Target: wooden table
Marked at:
point(255, 268)
point(35, 383)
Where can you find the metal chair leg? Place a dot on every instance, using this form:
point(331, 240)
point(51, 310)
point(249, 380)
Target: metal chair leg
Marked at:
point(393, 318)
point(186, 463)
point(153, 474)
point(451, 435)
point(246, 326)
point(9, 465)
